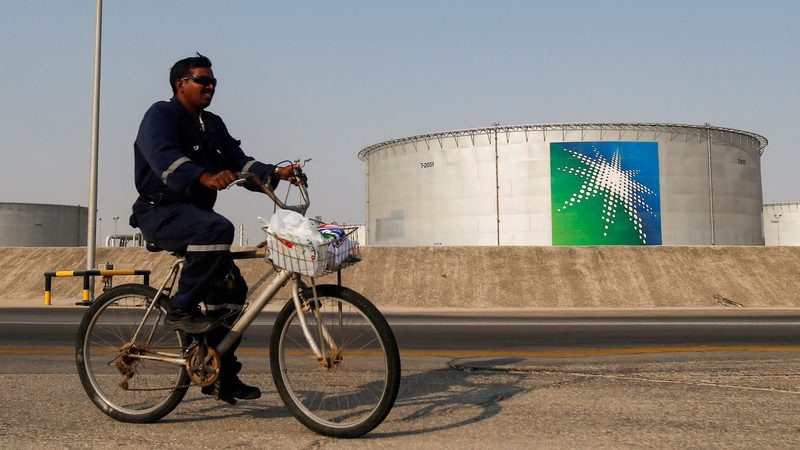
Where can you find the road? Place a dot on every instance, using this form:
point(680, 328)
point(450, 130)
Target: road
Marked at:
point(476, 331)
point(560, 379)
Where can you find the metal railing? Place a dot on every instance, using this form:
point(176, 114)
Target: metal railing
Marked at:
point(88, 291)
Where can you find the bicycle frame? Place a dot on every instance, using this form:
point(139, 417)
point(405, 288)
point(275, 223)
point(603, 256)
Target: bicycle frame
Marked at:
point(244, 321)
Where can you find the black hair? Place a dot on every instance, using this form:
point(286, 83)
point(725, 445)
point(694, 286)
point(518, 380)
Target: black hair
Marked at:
point(183, 68)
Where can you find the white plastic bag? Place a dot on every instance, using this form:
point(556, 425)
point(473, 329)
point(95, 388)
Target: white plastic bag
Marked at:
point(294, 227)
point(295, 244)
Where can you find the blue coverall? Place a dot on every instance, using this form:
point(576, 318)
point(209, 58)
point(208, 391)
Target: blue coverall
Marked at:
point(175, 211)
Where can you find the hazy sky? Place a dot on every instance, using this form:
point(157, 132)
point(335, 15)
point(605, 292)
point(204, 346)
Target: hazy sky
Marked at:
point(324, 79)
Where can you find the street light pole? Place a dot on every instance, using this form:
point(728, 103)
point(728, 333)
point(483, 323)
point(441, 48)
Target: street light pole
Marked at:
point(115, 228)
point(91, 235)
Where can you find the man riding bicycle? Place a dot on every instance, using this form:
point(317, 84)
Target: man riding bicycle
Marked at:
point(183, 156)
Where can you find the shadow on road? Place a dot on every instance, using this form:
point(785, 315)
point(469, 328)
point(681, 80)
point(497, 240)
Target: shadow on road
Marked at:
point(205, 410)
point(443, 399)
point(428, 402)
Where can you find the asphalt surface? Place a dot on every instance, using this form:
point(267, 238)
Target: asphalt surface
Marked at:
point(553, 379)
point(475, 331)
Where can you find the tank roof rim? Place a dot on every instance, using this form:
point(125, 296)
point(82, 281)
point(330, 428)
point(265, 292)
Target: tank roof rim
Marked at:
point(42, 204)
point(783, 204)
point(762, 141)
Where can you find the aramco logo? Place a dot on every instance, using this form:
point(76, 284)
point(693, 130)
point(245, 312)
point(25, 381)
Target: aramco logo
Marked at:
point(605, 193)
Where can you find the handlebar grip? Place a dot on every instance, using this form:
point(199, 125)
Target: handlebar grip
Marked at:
point(300, 175)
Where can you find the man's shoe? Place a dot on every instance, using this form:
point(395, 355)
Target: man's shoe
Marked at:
point(180, 320)
point(239, 390)
point(231, 389)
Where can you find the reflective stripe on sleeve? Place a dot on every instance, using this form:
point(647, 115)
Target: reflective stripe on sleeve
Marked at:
point(208, 248)
point(248, 165)
point(172, 167)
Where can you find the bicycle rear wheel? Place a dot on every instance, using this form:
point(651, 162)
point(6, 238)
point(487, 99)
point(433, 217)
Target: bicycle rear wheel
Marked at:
point(353, 389)
point(125, 387)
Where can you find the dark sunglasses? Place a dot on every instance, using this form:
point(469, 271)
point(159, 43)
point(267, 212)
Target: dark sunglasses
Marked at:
point(202, 80)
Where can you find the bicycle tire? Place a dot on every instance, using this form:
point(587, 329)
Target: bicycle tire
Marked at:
point(153, 388)
point(355, 396)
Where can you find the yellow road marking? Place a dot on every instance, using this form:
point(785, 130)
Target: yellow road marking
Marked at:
point(35, 351)
point(600, 352)
point(478, 353)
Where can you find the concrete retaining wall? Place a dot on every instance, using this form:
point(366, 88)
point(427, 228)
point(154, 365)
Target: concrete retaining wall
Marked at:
point(486, 277)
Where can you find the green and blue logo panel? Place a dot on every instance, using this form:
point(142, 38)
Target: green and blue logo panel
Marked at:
point(605, 193)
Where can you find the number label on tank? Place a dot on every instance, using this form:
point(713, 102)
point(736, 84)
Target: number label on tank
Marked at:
point(426, 165)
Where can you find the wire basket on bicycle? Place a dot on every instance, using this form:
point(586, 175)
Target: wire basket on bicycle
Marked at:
point(306, 257)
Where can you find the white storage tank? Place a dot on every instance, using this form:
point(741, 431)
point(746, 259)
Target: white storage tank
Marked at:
point(567, 184)
point(782, 224)
point(36, 225)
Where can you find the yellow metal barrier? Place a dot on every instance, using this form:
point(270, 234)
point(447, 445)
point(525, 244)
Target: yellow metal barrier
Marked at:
point(88, 296)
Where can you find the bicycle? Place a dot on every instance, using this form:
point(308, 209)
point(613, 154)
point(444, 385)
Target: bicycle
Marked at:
point(333, 357)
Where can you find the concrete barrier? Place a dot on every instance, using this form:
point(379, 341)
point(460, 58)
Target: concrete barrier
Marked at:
point(486, 277)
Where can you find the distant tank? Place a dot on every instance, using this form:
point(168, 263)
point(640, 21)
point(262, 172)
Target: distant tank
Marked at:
point(567, 184)
point(782, 223)
point(37, 225)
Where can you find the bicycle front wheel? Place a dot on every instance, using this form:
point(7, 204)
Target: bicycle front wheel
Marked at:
point(118, 380)
point(352, 389)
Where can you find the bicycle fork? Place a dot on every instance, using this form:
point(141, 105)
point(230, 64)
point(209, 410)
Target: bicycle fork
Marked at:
point(322, 331)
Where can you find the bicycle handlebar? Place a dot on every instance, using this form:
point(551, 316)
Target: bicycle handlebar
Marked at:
point(302, 185)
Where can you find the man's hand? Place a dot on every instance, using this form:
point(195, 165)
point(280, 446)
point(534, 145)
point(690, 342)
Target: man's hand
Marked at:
point(217, 181)
point(285, 173)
